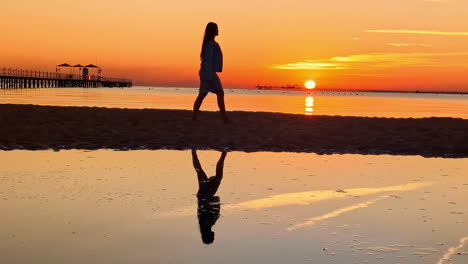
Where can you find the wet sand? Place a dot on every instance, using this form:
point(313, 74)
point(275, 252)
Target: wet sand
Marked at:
point(34, 127)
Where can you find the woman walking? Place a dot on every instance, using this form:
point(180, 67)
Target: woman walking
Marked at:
point(211, 63)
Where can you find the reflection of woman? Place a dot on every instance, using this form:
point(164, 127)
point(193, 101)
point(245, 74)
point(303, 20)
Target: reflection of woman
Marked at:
point(208, 204)
point(211, 63)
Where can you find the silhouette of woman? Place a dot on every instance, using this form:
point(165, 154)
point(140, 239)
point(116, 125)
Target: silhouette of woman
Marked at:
point(208, 205)
point(211, 63)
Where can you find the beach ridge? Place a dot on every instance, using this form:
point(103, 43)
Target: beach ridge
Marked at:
point(33, 127)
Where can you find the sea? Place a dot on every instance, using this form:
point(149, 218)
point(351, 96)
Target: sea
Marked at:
point(369, 104)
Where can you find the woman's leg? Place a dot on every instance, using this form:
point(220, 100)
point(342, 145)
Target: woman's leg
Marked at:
point(222, 107)
point(197, 104)
point(220, 165)
point(198, 168)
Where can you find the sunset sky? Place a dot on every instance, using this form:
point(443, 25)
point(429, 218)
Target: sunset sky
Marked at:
point(365, 44)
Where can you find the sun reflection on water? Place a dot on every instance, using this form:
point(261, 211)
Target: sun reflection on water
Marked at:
point(309, 105)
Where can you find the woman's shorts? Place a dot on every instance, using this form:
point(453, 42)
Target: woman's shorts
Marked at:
point(213, 86)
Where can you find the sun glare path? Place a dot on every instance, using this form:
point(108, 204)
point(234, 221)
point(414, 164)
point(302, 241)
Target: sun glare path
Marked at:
point(309, 105)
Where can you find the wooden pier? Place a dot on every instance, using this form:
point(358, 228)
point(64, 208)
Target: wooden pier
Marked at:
point(18, 78)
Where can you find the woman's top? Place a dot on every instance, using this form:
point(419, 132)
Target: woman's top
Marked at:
point(212, 60)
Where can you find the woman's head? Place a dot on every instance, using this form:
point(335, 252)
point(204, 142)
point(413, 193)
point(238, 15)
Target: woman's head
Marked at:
point(211, 31)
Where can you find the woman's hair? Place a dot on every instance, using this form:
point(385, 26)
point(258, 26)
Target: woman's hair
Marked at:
point(210, 32)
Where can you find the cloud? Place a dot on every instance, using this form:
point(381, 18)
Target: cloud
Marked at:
point(401, 44)
point(311, 65)
point(420, 32)
point(375, 60)
point(358, 74)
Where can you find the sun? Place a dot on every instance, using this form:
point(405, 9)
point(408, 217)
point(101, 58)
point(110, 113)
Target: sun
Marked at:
point(310, 84)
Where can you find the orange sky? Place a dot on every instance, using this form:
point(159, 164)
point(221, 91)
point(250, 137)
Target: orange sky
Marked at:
point(365, 44)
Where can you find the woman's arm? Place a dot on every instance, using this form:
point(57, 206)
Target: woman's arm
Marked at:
point(218, 59)
point(207, 61)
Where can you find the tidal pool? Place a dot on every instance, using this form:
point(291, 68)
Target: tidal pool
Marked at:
point(162, 207)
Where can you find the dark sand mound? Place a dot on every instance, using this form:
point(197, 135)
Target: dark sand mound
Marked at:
point(49, 127)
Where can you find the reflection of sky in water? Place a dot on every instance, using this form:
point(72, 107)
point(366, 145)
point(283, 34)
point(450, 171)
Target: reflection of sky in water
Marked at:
point(447, 257)
point(336, 213)
point(307, 198)
point(365, 208)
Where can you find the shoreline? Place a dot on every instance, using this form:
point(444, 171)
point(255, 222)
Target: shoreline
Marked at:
point(323, 90)
point(33, 127)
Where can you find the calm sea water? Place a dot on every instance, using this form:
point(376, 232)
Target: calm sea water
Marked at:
point(294, 102)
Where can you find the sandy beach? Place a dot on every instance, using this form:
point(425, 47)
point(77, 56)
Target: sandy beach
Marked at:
point(50, 127)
